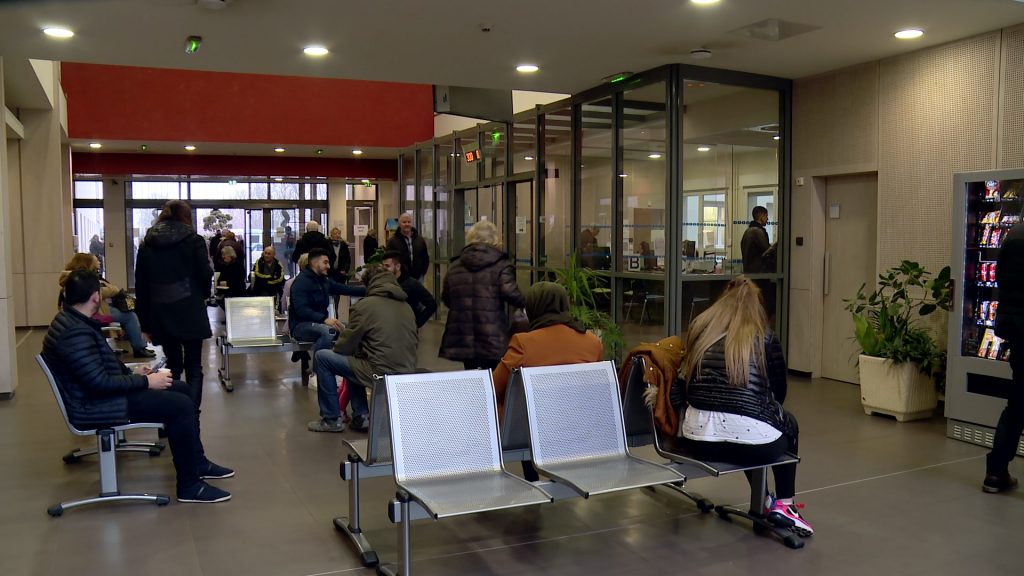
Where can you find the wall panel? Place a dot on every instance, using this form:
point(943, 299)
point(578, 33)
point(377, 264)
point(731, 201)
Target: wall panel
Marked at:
point(1011, 125)
point(835, 121)
point(937, 116)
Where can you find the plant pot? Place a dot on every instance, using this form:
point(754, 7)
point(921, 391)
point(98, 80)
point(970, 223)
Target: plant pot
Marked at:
point(899, 390)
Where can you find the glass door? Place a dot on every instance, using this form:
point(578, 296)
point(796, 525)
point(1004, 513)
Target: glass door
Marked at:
point(284, 233)
point(255, 232)
point(521, 250)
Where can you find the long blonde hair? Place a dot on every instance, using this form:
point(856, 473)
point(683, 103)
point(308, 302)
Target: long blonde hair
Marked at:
point(738, 316)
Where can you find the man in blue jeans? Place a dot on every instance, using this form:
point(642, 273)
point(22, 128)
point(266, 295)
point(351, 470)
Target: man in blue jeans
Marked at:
point(311, 293)
point(380, 339)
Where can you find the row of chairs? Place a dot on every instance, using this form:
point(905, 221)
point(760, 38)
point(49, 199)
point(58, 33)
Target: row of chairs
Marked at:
point(568, 419)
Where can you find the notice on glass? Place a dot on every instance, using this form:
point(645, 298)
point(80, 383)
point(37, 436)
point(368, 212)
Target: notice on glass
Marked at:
point(360, 229)
point(521, 223)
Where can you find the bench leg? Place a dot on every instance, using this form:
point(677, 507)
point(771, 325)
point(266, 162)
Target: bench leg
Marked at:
point(351, 525)
point(404, 567)
point(703, 504)
point(755, 512)
point(305, 369)
point(224, 374)
point(106, 446)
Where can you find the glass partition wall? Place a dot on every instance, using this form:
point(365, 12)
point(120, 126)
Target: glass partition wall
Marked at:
point(649, 182)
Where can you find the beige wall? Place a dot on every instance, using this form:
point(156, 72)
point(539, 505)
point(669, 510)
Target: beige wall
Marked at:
point(8, 352)
point(916, 119)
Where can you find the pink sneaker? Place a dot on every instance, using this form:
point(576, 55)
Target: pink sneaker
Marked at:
point(787, 516)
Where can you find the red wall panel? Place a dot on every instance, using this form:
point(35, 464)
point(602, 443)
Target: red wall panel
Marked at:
point(189, 165)
point(132, 103)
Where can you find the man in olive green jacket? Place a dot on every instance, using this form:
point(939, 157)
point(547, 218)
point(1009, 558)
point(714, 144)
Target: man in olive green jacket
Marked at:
point(380, 339)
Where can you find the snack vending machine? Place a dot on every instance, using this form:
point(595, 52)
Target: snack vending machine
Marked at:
point(986, 206)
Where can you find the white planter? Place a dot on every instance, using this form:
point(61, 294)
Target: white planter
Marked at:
point(898, 390)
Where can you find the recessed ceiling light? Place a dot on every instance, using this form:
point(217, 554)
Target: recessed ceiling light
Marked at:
point(278, 149)
point(95, 145)
point(909, 34)
point(527, 157)
point(623, 175)
point(319, 151)
point(654, 156)
point(703, 148)
point(55, 32)
point(703, 2)
point(527, 68)
point(278, 179)
point(189, 147)
point(357, 152)
point(315, 51)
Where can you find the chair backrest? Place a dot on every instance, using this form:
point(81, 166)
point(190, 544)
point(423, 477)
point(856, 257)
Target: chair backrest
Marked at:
point(515, 425)
point(58, 396)
point(443, 424)
point(574, 412)
point(378, 442)
point(635, 414)
point(250, 317)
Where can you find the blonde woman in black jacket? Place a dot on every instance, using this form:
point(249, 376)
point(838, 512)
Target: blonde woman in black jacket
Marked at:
point(730, 390)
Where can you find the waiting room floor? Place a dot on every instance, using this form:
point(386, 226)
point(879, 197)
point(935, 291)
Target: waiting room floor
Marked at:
point(884, 498)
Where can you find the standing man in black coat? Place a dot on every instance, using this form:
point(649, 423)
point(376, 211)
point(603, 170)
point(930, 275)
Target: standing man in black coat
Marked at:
point(419, 298)
point(1009, 326)
point(172, 284)
point(759, 256)
point(313, 238)
point(98, 390)
point(413, 248)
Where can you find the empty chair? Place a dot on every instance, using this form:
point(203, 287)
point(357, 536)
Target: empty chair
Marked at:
point(106, 446)
point(577, 436)
point(448, 467)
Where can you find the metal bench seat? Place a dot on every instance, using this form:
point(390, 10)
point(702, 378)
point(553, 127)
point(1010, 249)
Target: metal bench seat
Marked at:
point(577, 435)
point(254, 318)
point(107, 448)
point(467, 476)
point(642, 428)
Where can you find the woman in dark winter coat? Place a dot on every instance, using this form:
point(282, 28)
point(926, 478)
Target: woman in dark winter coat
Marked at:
point(730, 390)
point(232, 274)
point(479, 283)
point(172, 284)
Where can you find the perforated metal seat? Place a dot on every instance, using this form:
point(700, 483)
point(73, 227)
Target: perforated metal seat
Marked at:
point(577, 434)
point(107, 448)
point(669, 448)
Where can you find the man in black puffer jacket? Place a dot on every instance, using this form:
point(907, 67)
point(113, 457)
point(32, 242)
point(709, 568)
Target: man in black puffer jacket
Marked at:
point(479, 283)
point(98, 390)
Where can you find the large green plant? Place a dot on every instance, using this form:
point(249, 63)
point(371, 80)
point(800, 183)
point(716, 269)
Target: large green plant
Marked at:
point(887, 321)
point(579, 283)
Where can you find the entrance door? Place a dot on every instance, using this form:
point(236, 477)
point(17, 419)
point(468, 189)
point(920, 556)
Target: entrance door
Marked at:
point(850, 241)
point(361, 214)
point(255, 234)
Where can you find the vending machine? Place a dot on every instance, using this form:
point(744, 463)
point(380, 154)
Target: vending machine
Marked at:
point(986, 206)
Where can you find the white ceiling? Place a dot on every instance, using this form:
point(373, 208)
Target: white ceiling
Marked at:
point(576, 43)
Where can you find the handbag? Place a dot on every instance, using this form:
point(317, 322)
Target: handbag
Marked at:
point(123, 301)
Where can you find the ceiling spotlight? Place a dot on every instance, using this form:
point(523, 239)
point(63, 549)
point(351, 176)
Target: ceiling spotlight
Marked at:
point(55, 32)
point(700, 53)
point(623, 175)
point(315, 51)
point(319, 151)
point(190, 147)
point(776, 137)
point(654, 156)
point(357, 152)
point(527, 68)
point(278, 149)
point(95, 145)
point(278, 179)
point(703, 148)
point(527, 158)
point(909, 34)
point(144, 147)
point(704, 2)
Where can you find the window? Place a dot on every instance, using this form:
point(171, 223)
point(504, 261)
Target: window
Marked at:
point(158, 190)
point(88, 190)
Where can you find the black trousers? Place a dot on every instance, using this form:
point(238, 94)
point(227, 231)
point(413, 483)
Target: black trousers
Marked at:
point(753, 454)
point(480, 364)
point(175, 410)
point(1011, 421)
point(186, 356)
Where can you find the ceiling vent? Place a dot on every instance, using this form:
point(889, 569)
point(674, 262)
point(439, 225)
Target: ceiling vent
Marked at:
point(774, 30)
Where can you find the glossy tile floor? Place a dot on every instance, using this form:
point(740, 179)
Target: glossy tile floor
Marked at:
point(885, 498)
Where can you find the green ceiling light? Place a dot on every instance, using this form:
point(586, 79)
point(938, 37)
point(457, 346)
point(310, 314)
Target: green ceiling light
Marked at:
point(616, 78)
point(366, 182)
point(192, 44)
point(496, 137)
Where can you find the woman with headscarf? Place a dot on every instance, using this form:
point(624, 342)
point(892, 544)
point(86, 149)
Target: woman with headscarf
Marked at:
point(554, 338)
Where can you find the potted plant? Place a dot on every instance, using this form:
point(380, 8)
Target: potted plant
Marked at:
point(580, 283)
point(900, 362)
